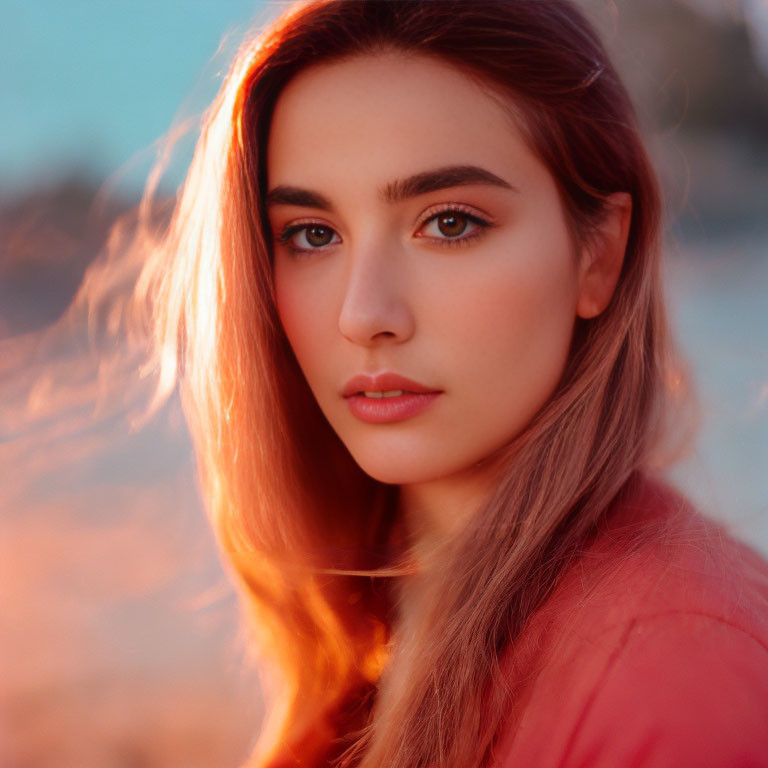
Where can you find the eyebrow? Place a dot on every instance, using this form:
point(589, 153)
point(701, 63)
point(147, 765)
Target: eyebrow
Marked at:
point(396, 191)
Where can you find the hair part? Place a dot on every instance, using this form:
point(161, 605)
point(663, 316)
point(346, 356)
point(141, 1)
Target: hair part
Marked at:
point(299, 523)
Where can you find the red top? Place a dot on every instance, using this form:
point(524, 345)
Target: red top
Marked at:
point(652, 652)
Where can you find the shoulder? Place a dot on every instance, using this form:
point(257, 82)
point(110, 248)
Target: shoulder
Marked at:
point(653, 651)
point(654, 555)
point(675, 689)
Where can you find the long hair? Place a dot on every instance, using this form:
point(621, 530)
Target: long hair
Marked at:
point(306, 533)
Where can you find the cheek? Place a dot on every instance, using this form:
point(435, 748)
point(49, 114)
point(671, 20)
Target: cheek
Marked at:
point(515, 340)
point(304, 313)
point(293, 318)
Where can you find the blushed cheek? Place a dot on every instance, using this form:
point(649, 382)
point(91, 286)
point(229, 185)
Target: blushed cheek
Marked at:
point(520, 333)
point(286, 317)
point(308, 323)
point(294, 318)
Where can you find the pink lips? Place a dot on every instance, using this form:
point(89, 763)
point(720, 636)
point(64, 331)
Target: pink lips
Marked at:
point(415, 398)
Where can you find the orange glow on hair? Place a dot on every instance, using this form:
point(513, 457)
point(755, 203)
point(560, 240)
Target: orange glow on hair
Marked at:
point(306, 535)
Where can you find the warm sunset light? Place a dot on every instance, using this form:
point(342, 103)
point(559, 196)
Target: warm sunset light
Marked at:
point(177, 593)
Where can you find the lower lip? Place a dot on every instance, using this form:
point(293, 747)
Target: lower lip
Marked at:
point(382, 410)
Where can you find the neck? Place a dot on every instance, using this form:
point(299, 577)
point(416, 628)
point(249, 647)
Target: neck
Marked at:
point(436, 511)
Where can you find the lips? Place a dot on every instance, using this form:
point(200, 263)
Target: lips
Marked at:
point(396, 398)
point(384, 382)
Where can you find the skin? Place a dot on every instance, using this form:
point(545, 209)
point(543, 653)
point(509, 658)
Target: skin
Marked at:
point(486, 316)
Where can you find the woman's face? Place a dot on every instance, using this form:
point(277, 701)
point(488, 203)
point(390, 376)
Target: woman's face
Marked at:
point(416, 234)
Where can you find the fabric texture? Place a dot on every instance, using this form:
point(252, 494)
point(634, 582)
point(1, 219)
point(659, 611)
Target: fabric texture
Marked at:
point(652, 652)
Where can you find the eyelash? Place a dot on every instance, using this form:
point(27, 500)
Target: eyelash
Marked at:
point(287, 233)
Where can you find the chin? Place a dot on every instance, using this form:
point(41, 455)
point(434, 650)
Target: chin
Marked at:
point(392, 475)
point(403, 469)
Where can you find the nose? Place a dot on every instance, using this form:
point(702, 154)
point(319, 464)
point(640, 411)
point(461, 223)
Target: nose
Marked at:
point(375, 306)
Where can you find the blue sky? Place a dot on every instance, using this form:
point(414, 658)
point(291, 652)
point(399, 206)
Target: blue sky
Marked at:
point(93, 83)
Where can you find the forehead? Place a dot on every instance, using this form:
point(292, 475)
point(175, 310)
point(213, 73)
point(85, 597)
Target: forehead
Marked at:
point(388, 114)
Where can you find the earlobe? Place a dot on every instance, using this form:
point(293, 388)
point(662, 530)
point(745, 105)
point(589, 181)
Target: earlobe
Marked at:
point(603, 256)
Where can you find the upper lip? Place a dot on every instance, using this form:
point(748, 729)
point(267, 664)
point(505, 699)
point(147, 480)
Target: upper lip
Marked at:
point(383, 382)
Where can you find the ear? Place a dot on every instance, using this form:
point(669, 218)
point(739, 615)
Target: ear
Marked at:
point(603, 255)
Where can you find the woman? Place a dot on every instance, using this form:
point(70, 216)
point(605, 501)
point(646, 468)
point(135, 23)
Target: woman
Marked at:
point(413, 280)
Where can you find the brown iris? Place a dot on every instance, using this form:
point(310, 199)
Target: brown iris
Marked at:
point(317, 236)
point(451, 224)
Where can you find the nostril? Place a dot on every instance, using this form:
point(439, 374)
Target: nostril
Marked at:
point(374, 310)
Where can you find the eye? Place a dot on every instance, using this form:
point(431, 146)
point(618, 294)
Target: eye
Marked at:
point(300, 238)
point(453, 224)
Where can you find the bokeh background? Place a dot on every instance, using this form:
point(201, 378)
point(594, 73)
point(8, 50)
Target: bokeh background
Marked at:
point(119, 640)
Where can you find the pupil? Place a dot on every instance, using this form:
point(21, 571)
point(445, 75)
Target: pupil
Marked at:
point(452, 224)
point(318, 235)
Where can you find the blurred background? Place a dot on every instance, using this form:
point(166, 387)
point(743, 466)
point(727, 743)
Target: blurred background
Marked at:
point(119, 639)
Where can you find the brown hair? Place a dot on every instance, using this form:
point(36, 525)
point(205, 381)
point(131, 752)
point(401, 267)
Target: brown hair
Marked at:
point(300, 524)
